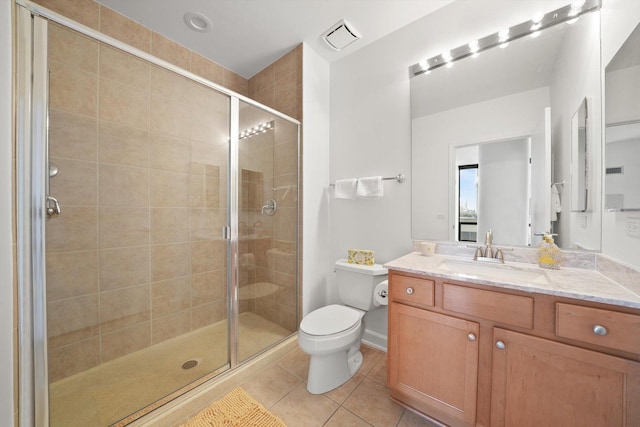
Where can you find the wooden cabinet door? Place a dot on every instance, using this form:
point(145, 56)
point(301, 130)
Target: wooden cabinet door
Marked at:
point(537, 382)
point(433, 363)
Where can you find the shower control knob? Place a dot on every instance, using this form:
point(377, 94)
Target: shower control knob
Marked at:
point(409, 291)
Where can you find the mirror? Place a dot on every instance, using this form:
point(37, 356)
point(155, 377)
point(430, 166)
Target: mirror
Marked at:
point(527, 92)
point(622, 133)
point(580, 159)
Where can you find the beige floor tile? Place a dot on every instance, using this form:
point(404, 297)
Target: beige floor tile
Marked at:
point(370, 401)
point(344, 418)
point(370, 357)
point(379, 371)
point(300, 408)
point(270, 385)
point(411, 419)
point(297, 363)
point(341, 393)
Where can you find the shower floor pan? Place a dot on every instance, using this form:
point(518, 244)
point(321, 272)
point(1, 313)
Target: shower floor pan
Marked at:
point(109, 392)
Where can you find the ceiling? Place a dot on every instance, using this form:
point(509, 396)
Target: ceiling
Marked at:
point(248, 35)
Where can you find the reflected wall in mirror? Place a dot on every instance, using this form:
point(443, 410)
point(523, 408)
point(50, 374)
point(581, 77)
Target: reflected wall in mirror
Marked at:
point(622, 134)
point(528, 90)
point(580, 159)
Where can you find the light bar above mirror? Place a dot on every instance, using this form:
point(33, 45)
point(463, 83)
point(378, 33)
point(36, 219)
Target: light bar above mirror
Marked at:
point(569, 14)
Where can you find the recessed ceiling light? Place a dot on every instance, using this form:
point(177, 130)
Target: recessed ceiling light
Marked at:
point(197, 22)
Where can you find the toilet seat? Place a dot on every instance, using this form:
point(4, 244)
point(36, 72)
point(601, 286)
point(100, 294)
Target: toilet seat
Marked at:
point(330, 320)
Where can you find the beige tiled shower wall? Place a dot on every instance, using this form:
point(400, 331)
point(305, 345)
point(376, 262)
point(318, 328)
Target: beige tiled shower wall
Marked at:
point(280, 84)
point(150, 284)
point(135, 258)
point(268, 243)
point(280, 87)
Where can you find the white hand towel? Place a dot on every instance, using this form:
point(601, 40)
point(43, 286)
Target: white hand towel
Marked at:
point(556, 207)
point(345, 188)
point(370, 186)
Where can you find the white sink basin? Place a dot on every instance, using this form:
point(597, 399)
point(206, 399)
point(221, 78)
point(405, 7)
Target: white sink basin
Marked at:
point(493, 271)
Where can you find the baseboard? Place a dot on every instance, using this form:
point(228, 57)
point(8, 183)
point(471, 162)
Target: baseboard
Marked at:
point(375, 339)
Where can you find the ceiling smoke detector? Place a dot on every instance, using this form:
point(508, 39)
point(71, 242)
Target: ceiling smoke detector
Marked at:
point(197, 22)
point(340, 35)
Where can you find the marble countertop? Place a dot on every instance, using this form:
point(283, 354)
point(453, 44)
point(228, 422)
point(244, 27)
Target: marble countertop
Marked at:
point(583, 284)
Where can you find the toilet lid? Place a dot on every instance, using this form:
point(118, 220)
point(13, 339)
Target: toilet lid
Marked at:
point(330, 320)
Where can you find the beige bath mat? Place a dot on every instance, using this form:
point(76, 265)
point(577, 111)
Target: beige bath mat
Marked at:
point(236, 409)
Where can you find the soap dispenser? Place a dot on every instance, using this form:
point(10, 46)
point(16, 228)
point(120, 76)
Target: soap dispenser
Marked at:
point(548, 253)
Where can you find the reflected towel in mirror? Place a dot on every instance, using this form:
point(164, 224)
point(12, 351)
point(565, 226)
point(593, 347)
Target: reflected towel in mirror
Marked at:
point(370, 186)
point(556, 208)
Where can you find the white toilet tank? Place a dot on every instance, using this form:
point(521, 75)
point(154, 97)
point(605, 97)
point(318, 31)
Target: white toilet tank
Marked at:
point(356, 283)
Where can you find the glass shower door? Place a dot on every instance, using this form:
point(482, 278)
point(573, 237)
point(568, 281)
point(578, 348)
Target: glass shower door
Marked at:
point(136, 263)
point(267, 230)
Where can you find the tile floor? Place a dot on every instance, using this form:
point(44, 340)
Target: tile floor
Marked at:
point(361, 402)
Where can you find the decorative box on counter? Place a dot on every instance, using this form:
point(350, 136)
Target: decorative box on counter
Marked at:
point(360, 256)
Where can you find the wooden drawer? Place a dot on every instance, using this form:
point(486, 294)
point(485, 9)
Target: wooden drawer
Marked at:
point(411, 290)
point(619, 331)
point(497, 306)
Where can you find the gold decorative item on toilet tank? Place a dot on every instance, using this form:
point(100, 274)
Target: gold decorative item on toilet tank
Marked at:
point(360, 256)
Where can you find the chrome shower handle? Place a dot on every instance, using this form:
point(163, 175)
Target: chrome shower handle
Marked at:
point(269, 207)
point(53, 207)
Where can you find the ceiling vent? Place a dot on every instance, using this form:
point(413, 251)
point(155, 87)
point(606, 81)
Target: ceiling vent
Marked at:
point(341, 35)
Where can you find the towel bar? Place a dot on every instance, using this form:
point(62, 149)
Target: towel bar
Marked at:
point(400, 178)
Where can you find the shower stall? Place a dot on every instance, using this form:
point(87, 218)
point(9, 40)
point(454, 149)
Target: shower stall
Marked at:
point(157, 221)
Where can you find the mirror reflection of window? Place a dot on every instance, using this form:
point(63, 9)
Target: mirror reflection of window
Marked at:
point(468, 203)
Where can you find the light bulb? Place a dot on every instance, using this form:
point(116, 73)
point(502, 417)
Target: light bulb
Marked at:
point(473, 46)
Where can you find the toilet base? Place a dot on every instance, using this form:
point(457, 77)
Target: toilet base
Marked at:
point(330, 371)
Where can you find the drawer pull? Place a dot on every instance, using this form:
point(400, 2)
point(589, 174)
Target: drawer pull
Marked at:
point(600, 330)
point(471, 336)
point(500, 345)
point(409, 291)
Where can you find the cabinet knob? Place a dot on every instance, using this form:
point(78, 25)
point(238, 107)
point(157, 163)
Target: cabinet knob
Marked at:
point(600, 330)
point(500, 345)
point(409, 291)
point(471, 336)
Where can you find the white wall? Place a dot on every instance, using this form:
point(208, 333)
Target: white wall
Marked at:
point(6, 264)
point(370, 122)
point(315, 165)
point(619, 19)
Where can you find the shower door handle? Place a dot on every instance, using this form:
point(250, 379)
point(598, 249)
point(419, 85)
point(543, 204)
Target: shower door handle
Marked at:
point(53, 207)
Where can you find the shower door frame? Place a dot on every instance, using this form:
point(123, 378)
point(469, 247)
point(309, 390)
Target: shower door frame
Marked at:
point(32, 190)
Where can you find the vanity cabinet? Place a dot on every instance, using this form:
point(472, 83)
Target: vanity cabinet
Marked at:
point(433, 362)
point(539, 382)
point(467, 354)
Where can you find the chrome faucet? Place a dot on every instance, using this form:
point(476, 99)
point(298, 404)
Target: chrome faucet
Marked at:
point(487, 253)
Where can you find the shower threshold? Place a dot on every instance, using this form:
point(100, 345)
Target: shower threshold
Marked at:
point(112, 391)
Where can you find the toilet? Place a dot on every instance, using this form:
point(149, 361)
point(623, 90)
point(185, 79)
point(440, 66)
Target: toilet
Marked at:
point(331, 335)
